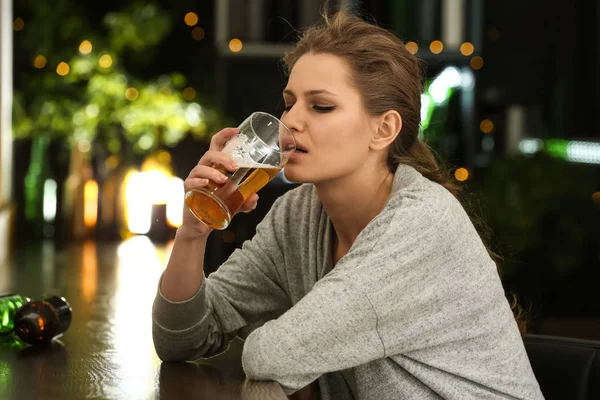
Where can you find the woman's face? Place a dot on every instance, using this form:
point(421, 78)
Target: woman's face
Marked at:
point(324, 111)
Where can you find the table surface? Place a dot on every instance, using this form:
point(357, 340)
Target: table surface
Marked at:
point(108, 352)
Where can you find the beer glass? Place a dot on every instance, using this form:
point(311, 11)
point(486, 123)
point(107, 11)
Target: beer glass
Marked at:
point(260, 149)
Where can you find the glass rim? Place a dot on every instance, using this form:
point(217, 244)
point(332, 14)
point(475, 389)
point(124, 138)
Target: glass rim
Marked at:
point(278, 150)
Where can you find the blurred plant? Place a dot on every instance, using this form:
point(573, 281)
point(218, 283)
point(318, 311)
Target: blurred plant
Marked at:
point(544, 221)
point(81, 89)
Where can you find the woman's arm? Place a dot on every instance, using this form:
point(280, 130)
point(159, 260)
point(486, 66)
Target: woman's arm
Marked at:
point(247, 289)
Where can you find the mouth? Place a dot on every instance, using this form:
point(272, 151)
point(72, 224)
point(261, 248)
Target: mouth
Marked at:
point(300, 148)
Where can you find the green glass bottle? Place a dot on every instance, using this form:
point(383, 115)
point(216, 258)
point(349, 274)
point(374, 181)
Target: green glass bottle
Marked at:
point(9, 305)
point(38, 322)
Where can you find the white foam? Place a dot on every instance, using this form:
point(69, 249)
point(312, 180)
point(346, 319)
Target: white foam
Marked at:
point(239, 149)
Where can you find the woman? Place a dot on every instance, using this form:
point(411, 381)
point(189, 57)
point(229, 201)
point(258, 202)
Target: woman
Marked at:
point(370, 277)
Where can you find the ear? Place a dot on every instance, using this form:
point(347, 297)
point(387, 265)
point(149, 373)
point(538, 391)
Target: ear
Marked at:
point(388, 128)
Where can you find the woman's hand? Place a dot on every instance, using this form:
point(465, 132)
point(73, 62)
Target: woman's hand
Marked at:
point(203, 172)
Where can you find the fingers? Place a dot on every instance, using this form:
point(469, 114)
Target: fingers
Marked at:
point(200, 175)
point(213, 157)
point(250, 204)
point(220, 138)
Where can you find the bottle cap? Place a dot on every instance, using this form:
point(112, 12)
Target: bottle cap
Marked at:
point(63, 310)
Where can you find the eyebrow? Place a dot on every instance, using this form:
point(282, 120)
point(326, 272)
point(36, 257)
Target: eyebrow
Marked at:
point(309, 93)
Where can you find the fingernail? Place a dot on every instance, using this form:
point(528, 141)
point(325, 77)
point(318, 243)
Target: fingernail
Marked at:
point(222, 177)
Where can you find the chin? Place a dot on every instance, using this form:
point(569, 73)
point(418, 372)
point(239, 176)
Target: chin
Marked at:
point(293, 175)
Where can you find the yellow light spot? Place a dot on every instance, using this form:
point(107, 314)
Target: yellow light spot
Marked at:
point(477, 62)
point(39, 61)
point(191, 19)
point(18, 24)
point(163, 157)
point(85, 47)
point(164, 91)
point(486, 126)
point(596, 197)
point(90, 203)
point(412, 47)
point(493, 33)
point(467, 48)
point(111, 162)
point(62, 69)
point(131, 94)
point(198, 33)
point(461, 174)
point(189, 93)
point(41, 323)
point(105, 61)
point(235, 45)
point(436, 47)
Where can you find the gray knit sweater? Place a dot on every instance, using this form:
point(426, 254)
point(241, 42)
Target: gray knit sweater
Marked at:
point(415, 309)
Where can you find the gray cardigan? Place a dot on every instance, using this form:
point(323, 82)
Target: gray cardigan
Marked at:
point(415, 309)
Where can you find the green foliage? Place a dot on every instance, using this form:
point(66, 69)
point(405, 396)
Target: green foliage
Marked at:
point(90, 102)
point(542, 216)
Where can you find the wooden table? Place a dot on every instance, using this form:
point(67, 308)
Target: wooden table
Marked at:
point(108, 351)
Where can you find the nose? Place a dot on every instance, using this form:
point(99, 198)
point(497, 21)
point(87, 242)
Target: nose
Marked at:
point(292, 120)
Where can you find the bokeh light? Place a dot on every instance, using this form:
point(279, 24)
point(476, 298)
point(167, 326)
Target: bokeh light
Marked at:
point(131, 94)
point(85, 47)
point(596, 197)
point(189, 93)
point(461, 174)
point(486, 126)
point(105, 61)
point(198, 33)
point(412, 47)
point(436, 47)
point(467, 48)
point(39, 61)
point(18, 24)
point(477, 62)
point(63, 68)
point(235, 45)
point(191, 19)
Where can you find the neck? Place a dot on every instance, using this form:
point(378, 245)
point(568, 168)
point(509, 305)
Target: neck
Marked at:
point(353, 201)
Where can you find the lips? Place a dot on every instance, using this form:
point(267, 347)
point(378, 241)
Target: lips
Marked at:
point(300, 148)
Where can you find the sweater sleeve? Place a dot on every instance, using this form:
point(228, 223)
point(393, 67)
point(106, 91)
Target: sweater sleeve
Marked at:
point(332, 328)
point(244, 292)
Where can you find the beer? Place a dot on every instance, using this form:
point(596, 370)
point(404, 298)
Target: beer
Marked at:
point(216, 204)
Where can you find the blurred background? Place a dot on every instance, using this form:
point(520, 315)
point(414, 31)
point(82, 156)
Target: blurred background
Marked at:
point(106, 106)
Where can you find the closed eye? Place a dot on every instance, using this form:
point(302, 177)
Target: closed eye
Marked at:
point(320, 109)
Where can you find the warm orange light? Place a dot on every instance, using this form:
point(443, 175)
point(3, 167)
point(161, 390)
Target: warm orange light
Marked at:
point(189, 93)
point(467, 48)
point(89, 273)
point(41, 323)
point(486, 126)
point(85, 47)
point(131, 94)
point(18, 24)
point(62, 69)
point(412, 47)
point(198, 33)
point(461, 174)
point(105, 61)
point(39, 61)
point(90, 203)
point(596, 197)
point(477, 62)
point(191, 19)
point(436, 47)
point(235, 45)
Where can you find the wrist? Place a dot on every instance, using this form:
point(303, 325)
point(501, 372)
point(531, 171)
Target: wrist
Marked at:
point(193, 234)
